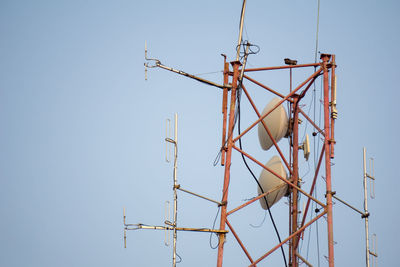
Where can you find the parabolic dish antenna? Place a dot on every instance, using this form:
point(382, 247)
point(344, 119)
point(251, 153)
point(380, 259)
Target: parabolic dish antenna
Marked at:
point(277, 123)
point(269, 181)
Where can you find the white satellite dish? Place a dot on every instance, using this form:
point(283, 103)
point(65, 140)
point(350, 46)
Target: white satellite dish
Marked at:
point(269, 181)
point(277, 123)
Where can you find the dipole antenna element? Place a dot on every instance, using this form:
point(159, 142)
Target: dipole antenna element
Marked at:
point(365, 214)
point(370, 176)
point(172, 225)
point(147, 65)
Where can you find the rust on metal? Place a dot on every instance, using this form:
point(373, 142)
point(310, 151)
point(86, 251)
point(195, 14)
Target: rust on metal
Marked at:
point(264, 86)
point(231, 125)
point(224, 111)
point(333, 106)
point(279, 103)
point(287, 239)
point(283, 67)
point(239, 241)
point(266, 128)
point(325, 59)
point(295, 179)
point(313, 185)
point(278, 176)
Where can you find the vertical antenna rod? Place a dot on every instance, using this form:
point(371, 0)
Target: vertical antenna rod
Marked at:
point(366, 208)
point(176, 186)
point(231, 127)
point(368, 252)
point(240, 30)
point(295, 177)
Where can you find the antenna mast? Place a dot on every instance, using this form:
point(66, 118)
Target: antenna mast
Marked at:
point(175, 143)
point(365, 215)
point(172, 226)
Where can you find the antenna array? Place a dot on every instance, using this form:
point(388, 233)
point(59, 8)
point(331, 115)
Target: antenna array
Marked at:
point(371, 176)
point(168, 225)
point(365, 214)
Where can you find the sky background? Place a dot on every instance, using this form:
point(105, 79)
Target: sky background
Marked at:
point(82, 133)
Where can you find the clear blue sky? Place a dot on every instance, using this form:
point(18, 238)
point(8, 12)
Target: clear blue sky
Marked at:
point(82, 133)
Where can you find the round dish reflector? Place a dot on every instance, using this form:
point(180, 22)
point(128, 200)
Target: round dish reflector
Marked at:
point(269, 181)
point(277, 123)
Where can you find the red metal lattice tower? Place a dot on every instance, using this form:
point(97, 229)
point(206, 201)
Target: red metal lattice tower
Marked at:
point(326, 69)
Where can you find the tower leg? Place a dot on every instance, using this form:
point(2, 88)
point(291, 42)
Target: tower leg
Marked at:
point(325, 58)
point(231, 125)
point(295, 177)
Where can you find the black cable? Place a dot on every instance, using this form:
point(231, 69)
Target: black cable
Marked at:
point(243, 45)
point(180, 258)
point(262, 222)
point(211, 234)
point(255, 179)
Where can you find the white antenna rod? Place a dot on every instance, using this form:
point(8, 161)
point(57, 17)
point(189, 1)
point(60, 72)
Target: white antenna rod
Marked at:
point(240, 30)
point(366, 208)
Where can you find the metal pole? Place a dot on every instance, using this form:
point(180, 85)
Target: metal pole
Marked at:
point(175, 188)
point(301, 229)
point(304, 260)
point(224, 111)
point(231, 125)
point(295, 177)
point(366, 208)
point(350, 206)
point(325, 58)
point(197, 195)
point(333, 106)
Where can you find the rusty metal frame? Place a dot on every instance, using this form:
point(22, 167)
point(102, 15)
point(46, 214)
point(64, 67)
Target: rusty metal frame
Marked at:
point(327, 152)
point(299, 231)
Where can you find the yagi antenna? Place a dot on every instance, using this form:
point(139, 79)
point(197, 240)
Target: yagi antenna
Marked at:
point(372, 180)
point(168, 224)
point(365, 215)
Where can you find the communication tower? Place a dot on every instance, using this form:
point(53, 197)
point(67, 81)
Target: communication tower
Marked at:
point(280, 175)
